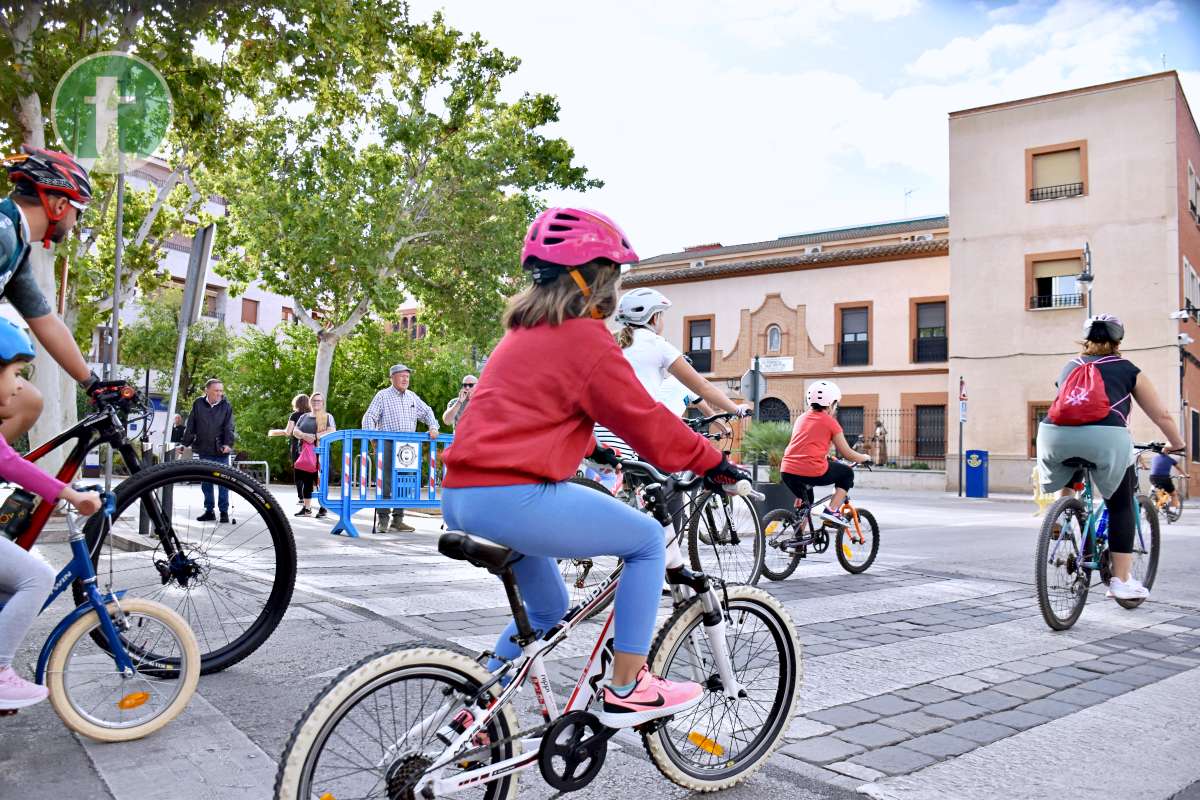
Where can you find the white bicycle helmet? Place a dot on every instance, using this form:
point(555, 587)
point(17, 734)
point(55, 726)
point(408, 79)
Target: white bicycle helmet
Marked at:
point(1103, 328)
point(823, 393)
point(639, 306)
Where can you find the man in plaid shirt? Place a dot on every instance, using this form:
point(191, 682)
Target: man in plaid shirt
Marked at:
point(396, 409)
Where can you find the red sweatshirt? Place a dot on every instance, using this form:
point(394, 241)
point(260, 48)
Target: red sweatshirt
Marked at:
point(530, 419)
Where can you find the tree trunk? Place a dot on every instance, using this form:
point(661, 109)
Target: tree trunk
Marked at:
point(328, 338)
point(326, 345)
point(56, 386)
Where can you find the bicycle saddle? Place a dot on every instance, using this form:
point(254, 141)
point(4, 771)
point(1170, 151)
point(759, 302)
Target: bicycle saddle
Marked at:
point(1078, 463)
point(480, 552)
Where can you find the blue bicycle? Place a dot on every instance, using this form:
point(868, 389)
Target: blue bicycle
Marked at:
point(1073, 545)
point(116, 669)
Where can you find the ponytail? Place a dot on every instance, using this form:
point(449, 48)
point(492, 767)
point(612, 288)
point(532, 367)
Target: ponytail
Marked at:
point(625, 337)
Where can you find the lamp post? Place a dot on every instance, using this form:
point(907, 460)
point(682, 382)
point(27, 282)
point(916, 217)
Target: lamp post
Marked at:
point(1087, 277)
point(1183, 340)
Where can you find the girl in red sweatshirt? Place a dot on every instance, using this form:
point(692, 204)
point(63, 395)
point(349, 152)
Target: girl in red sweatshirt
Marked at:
point(554, 375)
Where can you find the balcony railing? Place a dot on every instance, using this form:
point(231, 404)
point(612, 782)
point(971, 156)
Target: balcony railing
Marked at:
point(930, 348)
point(1056, 192)
point(701, 360)
point(853, 354)
point(1056, 301)
point(219, 316)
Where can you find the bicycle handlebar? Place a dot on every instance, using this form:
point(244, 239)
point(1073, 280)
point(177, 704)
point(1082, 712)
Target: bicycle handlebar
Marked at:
point(1157, 447)
point(704, 422)
point(742, 488)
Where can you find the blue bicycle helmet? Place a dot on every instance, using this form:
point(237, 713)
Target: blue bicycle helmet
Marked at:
point(15, 344)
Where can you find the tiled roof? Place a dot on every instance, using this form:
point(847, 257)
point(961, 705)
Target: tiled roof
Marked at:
point(886, 252)
point(814, 237)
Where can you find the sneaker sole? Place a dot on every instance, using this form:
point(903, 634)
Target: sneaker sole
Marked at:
point(839, 523)
point(17, 705)
point(631, 719)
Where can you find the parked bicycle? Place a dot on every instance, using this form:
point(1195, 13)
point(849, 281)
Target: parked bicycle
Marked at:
point(231, 582)
point(117, 668)
point(1073, 546)
point(415, 721)
point(791, 535)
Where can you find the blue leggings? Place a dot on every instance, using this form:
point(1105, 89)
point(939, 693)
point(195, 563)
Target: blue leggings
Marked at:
point(545, 521)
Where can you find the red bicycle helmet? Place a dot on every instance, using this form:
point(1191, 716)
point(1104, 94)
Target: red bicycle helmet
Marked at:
point(44, 173)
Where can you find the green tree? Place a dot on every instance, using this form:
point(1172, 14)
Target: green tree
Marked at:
point(150, 342)
point(406, 172)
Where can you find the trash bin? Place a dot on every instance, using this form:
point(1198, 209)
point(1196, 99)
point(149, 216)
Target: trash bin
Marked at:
point(977, 473)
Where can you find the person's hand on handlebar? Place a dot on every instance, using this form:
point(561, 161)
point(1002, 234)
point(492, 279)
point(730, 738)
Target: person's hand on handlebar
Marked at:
point(605, 456)
point(723, 475)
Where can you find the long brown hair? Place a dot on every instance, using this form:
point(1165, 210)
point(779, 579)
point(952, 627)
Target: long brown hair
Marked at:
point(561, 299)
point(300, 403)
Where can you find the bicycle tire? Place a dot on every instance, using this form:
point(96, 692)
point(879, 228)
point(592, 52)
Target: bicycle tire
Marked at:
point(772, 540)
point(337, 700)
point(702, 726)
point(583, 575)
point(858, 569)
point(705, 548)
point(84, 629)
point(215, 656)
point(1080, 582)
point(1148, 566)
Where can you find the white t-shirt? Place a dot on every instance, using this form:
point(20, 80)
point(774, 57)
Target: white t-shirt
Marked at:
point(651, 355)
point(675, 396)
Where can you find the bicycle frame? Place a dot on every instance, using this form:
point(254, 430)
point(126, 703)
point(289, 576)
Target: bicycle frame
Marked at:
point(532, 667)
point(1092, 541)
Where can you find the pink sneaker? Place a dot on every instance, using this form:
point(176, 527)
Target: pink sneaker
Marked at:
point(16, 692)
point(651, 698)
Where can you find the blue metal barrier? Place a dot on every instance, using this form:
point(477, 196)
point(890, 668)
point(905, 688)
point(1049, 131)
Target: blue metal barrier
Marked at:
point(363, 472)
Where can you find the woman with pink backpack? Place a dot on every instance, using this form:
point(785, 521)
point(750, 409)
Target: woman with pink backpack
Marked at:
point(1089, 421)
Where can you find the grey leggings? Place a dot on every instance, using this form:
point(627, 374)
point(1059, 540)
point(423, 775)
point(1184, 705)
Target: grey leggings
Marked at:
point(25, 583)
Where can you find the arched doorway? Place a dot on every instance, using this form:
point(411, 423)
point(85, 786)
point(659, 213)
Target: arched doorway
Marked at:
point(772, 409)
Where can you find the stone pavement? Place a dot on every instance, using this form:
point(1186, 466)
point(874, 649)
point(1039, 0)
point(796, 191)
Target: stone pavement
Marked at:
point(920, 681)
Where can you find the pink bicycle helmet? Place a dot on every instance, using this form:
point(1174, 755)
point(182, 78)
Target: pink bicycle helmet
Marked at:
point(571, 237)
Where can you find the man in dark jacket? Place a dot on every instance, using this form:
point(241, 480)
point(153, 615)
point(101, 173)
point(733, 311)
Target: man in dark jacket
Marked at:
point(209, 432)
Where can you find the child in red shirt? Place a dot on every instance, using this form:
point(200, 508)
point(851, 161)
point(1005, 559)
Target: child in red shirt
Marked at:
point(805, 463)
point(556, 373)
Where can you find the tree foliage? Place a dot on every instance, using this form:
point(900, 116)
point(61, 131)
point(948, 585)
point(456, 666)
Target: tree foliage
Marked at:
point(151, 340)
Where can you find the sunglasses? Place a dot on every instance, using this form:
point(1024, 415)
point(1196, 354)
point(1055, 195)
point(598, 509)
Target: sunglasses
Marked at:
point(467, 385)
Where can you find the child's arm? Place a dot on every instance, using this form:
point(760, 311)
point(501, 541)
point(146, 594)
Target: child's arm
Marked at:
point(846, 451)
point(35, 479)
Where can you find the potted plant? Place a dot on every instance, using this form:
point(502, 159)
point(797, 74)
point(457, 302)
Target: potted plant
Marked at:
point(764, 443)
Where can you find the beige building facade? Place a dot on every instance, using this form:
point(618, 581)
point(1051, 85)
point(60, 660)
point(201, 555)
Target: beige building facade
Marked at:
point(1033, 183)
point(898, 312)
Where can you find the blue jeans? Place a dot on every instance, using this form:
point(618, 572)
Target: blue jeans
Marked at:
point(222, 492)
point(546, 521)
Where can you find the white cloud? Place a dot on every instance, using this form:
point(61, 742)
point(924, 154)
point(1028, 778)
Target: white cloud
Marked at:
point(695, 150)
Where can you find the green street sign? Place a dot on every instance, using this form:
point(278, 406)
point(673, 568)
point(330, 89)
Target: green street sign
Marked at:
point(113, 109)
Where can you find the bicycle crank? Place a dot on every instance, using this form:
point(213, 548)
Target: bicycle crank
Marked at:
point(572, 751)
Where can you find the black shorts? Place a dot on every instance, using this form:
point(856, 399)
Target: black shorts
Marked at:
point(1163, 482)
point(837, 474)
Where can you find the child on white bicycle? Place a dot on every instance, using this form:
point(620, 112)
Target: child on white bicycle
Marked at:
point(25, 580)
point(804, 461)
point(555, 374)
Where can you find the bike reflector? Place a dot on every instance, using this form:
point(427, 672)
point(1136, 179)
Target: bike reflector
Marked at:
point(132, 701)
point(706, 744)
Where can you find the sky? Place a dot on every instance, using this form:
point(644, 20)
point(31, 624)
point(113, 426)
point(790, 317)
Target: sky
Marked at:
point(712, 121)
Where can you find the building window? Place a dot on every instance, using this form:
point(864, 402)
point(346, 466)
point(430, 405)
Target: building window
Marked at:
point(851, 418)
point(931, 432)
point(774, 339)
point(699, 339)
point(930, 343)
point(250, 311)
point(212, 304)
point(1056, 171)
point(288, 314)
point(1052, 280)
point(1037, 413)
point(1196, 436)
point(1193, 192)
point(1191, 285)
point(854, 346)
point(772, 409)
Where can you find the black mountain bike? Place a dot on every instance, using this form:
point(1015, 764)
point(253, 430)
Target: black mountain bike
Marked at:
point(231, 582)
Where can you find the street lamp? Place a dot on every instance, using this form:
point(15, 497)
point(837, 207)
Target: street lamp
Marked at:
point(1087, 277)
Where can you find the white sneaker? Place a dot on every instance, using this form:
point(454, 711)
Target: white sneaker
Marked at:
point(1127, 590)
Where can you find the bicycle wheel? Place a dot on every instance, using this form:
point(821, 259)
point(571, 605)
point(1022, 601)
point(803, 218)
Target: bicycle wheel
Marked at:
point(94, 699)
point(779, 526)
point(857, 556)
point(583, 575)
point(725, 538)
point(1062, 581)
point(1146, 543)
point(372, 731)
point(722, 741)
point(231, 582)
